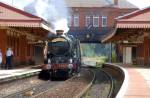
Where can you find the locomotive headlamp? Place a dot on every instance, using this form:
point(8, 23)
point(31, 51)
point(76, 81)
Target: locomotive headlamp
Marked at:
point(70, 65)
point(70, 61)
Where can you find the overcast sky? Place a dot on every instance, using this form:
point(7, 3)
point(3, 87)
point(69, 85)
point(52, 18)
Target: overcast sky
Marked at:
point(140, 3)
point(21, 3)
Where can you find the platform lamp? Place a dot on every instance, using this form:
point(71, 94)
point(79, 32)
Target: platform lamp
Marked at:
point(12, 2)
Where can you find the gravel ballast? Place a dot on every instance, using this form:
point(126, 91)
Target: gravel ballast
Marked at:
point(70, 88)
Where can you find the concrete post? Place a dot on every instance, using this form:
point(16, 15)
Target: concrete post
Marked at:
point(110, 53)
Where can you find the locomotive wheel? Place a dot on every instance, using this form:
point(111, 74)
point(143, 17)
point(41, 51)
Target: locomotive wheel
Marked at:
point(67, 75)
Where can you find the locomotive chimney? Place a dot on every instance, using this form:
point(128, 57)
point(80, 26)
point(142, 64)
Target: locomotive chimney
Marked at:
point(59, 32)
point(115, 2)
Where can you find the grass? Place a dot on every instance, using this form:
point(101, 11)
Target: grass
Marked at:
point(86, 96)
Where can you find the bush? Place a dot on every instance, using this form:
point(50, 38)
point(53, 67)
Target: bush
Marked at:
point(101, 60)
point(99, 64)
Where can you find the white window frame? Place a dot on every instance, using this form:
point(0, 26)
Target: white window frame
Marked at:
point(70, 21)
point(76, 20)
point(95, 24)
point(104, 24)
point(87, 20)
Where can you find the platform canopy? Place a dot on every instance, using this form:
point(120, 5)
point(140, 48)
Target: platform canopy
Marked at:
point(130, 26)
point(12, 17)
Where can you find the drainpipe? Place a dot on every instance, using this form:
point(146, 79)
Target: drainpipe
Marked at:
point(115, 2)
point(110, 52)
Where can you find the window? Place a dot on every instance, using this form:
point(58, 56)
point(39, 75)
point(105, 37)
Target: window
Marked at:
point(87, 20)
point(96, 21)
point(69, 21)
point(104, 21)
point(76, 20)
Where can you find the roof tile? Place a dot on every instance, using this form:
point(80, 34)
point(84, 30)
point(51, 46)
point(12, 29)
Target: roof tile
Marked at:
point(98, 3)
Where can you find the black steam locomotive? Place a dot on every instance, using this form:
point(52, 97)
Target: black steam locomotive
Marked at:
point(64, 55)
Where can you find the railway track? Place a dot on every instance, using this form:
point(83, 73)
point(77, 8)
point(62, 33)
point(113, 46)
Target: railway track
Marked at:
point(71, 88)
point(102, 85)
point(119, 77)
point(108, 82)
point(92, 83)
point(33, 91)
point(24, 88)
point(34, 88)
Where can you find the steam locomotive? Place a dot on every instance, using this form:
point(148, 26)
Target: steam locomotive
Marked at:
point(64, 55)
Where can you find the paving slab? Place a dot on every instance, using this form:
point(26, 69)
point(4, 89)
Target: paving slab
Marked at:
point(6, 75)
point(138, 83)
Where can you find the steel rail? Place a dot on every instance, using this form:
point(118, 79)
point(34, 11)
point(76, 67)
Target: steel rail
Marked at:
point(124, 85)
point(87, 87)
point(78, 95)
point(112, 84)
point(22, 92)
point(108, 75)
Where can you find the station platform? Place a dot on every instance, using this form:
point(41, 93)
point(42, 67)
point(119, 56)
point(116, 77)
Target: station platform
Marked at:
point(139, 82)
point(7, 75)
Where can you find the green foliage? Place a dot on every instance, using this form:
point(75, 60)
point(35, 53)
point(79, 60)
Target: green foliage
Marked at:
point(87, 50)
point(97, 53)
point(86, 96)
point(13, 78)
point(114, 56)
point(101, 60)
point(93, 50)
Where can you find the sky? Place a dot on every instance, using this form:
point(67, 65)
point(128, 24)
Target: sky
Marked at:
point(21, 3)
point(140, 3)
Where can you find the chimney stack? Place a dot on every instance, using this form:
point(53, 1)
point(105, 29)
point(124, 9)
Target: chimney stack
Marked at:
point(115, 2)
point(59, 32)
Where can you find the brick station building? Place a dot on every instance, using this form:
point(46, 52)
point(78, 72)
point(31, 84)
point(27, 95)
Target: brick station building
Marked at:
point(132, 36)
point(19, 30)
point(91, 20)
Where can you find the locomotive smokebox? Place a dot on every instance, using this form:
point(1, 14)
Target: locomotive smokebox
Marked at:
point(59, 32)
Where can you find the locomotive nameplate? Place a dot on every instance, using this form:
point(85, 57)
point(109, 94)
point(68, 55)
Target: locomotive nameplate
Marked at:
point(59, 66)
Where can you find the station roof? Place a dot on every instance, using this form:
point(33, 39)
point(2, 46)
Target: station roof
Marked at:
point(13, 17)
point(99, 3)
point(136, 20)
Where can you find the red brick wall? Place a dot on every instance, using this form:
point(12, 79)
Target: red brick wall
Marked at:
point(3, 42)
point(111, 13)
point(18, 45)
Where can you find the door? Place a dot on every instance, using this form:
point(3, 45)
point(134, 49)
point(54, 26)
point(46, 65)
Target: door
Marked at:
point(127, 55)
point(38, 55)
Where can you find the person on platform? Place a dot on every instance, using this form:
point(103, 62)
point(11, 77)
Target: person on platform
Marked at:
point(1, 56)
point(9, 57)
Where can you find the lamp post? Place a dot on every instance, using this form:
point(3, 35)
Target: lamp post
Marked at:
point(110, 53)
point(12, 2)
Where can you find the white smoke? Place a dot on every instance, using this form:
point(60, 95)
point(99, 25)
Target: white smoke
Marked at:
point(53, 11)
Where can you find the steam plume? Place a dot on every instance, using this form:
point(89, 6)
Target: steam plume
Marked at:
point(53, 11)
